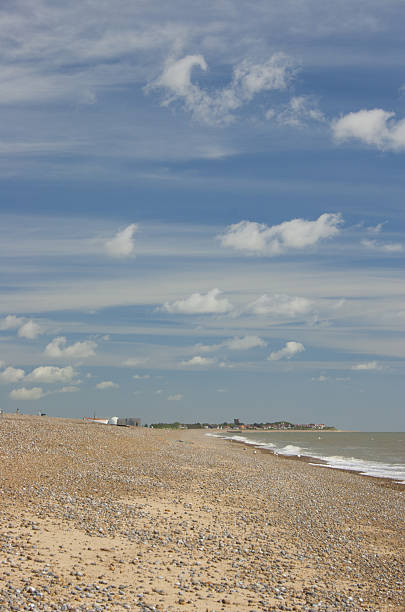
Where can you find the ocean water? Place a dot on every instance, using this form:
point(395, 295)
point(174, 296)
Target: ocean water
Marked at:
point(378, 454)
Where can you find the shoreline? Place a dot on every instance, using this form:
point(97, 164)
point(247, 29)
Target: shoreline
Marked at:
point(101, 518)
point(385, 481)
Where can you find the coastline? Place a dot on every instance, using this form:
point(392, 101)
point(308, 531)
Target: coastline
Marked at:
point(380, 480)
point(95, 517)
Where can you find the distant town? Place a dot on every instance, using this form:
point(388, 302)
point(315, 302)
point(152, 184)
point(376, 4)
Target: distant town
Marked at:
point(239, 426)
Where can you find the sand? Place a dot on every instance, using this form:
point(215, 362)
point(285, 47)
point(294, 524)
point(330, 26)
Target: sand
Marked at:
point(97, 517)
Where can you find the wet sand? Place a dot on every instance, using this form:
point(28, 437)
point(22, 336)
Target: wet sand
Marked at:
point(95, 517)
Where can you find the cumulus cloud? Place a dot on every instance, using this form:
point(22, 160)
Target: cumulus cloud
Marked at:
point(26, 329)
point(200, 303)
point(375, 127)
point(176, 397)
point(79, 350)
point(29, 330)
point(35, 393)
point(51, 374)
point(218, 106)
point(235, 344)
point(280, 305)
point(370, 365)
point(262, 239)
point(11, 375)
point(122, 244)
point(69, 389)
point(11, 322)
point(385, 247)
point(289, 350)
point(245, 343)
point(107, 384)
point(199, 361)
point(141, 376)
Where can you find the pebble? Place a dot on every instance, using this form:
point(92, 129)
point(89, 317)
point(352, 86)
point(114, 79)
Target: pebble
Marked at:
point(169, 526)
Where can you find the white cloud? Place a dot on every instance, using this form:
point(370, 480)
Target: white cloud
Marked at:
point(262, 239)
point(280, 305)
point(78, 350)
point(69, 389)
point(27, 394)
point(176, 397)
point(30, 330)
point(376, 229)
point(134, 362)
point(26, 329)
point(289, 350)
point(208, 348)
point(11, 322)
point(199, 303)
point(245, 343)
point(370, 365)
point(122, 244)
point(248, 80)
point(385, 247)
point(51, 374)
point(11, 375)
point(199, 361)
point(375, 127)
point(225, 364)
point(141, 376)
point(235, 344)
point(107, 384)
point(299, 110)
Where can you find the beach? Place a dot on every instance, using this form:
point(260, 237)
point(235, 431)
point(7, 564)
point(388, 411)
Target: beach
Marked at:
point(97, 517)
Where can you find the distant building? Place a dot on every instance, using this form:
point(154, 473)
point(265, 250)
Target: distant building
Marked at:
point(236, 421)
point(128, 422)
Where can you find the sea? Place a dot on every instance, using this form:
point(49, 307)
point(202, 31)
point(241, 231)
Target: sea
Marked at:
point(378, 454)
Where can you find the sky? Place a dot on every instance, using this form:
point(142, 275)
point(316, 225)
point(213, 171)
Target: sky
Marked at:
point(201, 210)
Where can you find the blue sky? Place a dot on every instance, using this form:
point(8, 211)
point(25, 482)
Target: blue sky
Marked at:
point(202, 210)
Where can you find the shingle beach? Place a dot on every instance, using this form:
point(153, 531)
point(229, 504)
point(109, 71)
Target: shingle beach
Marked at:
point(96, 517)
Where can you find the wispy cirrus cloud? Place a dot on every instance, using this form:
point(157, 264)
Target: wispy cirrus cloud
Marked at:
point(280, 305)
point(383, 247)
point(248, 80)
point(367, 366)
point(237, 343)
